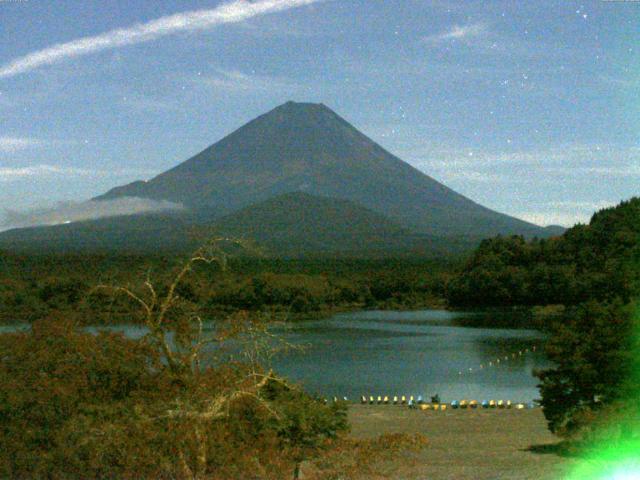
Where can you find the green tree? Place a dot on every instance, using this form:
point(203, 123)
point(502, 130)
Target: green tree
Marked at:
point(303, 423)
point(593, 352)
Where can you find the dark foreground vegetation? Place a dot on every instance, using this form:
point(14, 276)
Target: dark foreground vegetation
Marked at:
point(589, 279)
point(177, 403)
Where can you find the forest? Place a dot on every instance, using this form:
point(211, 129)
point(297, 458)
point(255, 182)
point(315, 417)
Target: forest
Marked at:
point(33, 286)
point(598, 261)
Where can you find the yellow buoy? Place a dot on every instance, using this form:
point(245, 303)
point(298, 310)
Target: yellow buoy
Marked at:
point(500, 403)
point(463, 404)
point(404, 399)
point(492, 404)
point(371, 400)
point(443, 406)
point(425, 406)
point(395, 399)
point(379, 399)
point(508, 404)
point(386, 400)
point(473, 404)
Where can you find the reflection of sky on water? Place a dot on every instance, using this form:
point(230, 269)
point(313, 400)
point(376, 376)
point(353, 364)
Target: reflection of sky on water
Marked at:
point(411, 353)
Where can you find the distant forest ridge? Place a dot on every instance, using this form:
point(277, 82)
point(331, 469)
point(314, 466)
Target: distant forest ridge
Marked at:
point(597, 261)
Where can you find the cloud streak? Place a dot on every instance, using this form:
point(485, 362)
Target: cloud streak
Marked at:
point(13, 144)
point(237, 81)
point(196, 20)
point(17, 173)
point(565, 213)
point(67, 212)
point(45, 171)
point(458, 32)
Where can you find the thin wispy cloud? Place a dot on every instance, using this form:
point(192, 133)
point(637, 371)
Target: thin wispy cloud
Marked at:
point(14, 144)
point(484, 175)
point(66, 212)
point(565, 213)
point(237, 81)
point(17, 173)
point(145, 103)
point(545, 218)
point(624, 82)
point(45, 171)
point(490, 41)
point(196, 20)
point(566, 161)
point(458, 32)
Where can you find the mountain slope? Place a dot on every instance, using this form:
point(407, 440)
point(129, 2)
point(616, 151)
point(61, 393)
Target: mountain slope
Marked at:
point(296, 224)
point(290, 225)
point(308, 147)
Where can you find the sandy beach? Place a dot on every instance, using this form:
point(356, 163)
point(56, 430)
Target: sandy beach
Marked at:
point(473, 444)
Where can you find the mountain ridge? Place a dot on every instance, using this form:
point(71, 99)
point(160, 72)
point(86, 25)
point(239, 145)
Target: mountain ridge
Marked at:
point(308, 147)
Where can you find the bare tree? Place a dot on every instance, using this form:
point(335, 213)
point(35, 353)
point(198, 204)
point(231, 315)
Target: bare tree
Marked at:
point(177, 329)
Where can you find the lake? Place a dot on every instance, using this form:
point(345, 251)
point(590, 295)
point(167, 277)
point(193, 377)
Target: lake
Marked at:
point(413, 353)
point(406, 353)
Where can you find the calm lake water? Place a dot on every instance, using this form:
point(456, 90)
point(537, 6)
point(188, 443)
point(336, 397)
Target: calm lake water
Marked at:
point(413, 353)
point(406, 353)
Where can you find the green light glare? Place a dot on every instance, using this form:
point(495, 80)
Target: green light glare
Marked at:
point(613, 457)
point(616, 462)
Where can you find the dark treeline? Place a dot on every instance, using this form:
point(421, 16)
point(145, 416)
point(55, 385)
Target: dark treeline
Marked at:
point(598, 261)
point(32, 286)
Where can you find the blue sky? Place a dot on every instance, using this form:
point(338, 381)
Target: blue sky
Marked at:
point(530, 108)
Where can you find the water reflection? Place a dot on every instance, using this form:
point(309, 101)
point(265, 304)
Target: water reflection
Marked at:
point(412, 353)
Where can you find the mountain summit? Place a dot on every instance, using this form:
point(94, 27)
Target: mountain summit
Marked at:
point(306, 147)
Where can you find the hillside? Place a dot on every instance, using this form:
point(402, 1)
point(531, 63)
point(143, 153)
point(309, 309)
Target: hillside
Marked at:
point(598, 261)
point(298, 223)
point(308, 147)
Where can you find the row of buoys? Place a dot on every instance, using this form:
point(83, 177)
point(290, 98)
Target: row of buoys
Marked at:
point(433, 406)
point(335, 400)
point(500, 404)
point(395, 400)
point(475, 404)
point(455, 404)
point(490, 404)
point(495, 362)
